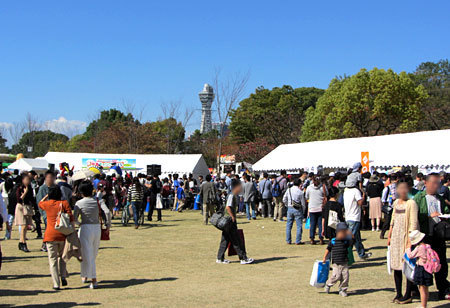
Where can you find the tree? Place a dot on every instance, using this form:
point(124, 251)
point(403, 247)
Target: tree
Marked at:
point(3, 148)
point(253, 151)
point(206, 144)
point(106, 119)
point(228, 92)
point(170, 135)
point(370, 103)
point(275, 115)
point(42, 140)
point(435, 77)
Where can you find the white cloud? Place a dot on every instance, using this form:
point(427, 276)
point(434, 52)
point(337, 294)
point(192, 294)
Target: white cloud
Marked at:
point(5, 125)
point(64, 126)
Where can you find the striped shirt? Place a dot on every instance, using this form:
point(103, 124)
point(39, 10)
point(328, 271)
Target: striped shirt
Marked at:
point(135, 194)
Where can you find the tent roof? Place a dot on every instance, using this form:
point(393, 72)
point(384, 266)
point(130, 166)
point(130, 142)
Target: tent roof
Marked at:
point(29, 164)
point(170, 163)
point(413, 149)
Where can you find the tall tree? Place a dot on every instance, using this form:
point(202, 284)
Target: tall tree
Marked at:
point(435, 77)
point(370, 103)
point(42, 140)
point(275, 115)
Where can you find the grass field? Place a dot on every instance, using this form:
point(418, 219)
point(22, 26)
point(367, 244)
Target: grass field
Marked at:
point(172, 264)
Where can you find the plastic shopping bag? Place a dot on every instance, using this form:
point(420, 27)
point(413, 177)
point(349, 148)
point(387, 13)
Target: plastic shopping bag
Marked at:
point(409, 267)
point(388, 260)
point(319, 274)
point(159, 204)
point(307, 223)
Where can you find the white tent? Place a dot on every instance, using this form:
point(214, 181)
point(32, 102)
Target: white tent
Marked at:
point(170, 163)
point(412, 149)
point(29, 164)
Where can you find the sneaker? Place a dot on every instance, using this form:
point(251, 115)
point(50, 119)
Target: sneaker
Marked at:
point(93, 285)
point(224, 261)
point(247, 261)
point(343, 293)
point(327, 289)
point(366, 256)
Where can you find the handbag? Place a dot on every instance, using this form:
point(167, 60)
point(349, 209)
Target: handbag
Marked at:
point(442, 230)
point(386, 208)
point(63, 224)
point(104, 236)
point(27, 210)
point(307, 223)
point(159, 204)
point(220, 221)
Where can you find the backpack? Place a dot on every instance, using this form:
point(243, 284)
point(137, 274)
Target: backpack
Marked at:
point(276, 190)
point(165, 191)
point(433, 264)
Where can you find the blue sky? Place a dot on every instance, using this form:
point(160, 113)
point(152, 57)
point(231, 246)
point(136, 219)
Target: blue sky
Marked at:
point(71, 59)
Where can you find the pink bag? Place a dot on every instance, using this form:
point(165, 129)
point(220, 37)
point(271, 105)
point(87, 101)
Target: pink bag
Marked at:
point(433, 264)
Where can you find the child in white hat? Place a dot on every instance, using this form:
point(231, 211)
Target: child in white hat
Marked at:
point(427, 263)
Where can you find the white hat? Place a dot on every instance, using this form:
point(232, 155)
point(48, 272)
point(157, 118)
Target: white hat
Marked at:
point(416, 237)
point(332, 174)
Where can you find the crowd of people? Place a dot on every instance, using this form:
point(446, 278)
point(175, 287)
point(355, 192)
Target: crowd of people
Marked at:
point(335, 207)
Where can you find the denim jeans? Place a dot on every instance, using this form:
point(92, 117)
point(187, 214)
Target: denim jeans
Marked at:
point(297, 215)
point(250, 206)
point(136, 206)
point(315, 220)
point(355, 226)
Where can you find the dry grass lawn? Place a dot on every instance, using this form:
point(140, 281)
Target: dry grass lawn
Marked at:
point(172, 264)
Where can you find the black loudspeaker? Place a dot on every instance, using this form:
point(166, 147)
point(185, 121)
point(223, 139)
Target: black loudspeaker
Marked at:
point(153, 169)
point(51, 167)
point(1, 166)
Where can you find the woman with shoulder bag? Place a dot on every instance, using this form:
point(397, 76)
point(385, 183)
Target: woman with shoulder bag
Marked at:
point(24, 210)
point(89, 233)
point(53, 238)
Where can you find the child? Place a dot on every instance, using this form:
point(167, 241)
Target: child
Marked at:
point(181, 197)
point(422, 278)
point(339, 254)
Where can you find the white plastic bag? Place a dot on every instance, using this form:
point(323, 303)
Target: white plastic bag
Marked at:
point(409, 266)
point(319, 274)
point(388, 260)
point(159, 204)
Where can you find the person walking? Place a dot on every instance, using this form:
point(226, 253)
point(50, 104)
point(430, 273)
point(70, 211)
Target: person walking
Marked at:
point(52, 204)
point(231, 234)
point(374, 190)
point(249, 189)
point(404, 220)
point(265, 188)
point(135, 198)
point(88, 209)
point(353, 201)
point(279, 187)
point(315, 194)
point(24, 210)
point(208, 195)
point(331, 206)
point(294, 199)
point(431, 206)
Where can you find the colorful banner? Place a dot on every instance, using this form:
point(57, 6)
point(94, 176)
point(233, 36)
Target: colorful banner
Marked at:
point(365, 162)
point(106, 163)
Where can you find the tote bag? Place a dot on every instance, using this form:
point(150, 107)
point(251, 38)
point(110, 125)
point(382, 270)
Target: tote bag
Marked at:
point(63, 224)
point(409, 267)
point(319, 274)
point(388, 260)
point(159, 204)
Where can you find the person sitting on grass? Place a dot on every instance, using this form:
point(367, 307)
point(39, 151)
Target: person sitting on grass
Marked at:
point(339, 252)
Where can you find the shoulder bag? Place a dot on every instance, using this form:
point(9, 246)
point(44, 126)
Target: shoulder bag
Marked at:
point(104, 230)
point(63, 224)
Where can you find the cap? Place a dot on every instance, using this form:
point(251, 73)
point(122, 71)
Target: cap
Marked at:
point(332, 174)
point(356, 166)
point(341, 226)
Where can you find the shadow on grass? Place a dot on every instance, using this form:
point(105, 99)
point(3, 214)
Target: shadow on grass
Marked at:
point(112, 247)
point(368, 291)
point(58, 304)
point(272, 259)
point(148, 226)
point(119, 284)
point(24, 292)
point(367, 264)
point(27, 276)
point(23, 258)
